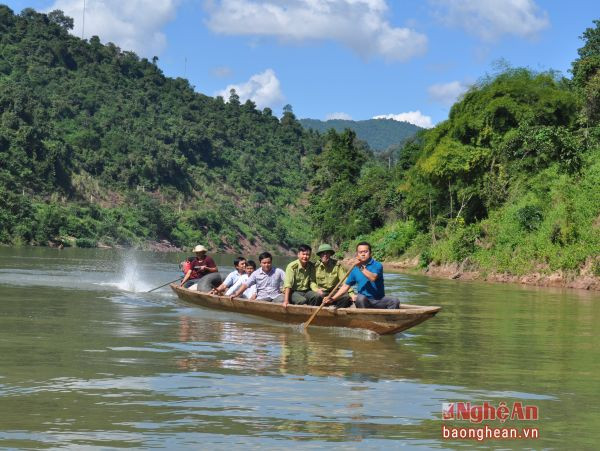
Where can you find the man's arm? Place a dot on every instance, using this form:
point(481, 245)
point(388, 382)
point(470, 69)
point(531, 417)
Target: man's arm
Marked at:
point(286, 296)
point(244, 286)
point(313, 280)
point(227, 283)
point(217, 290)
point(342, 291)
point(341, 273)
point(239, 291)
point(368, 274)
point(220, 289)
point(288, 277)
point(349, 282)
point(210, 266)
point(186, 277)
point(319, 290)
point(233, 288)
point(287, 281)
point(282, 279)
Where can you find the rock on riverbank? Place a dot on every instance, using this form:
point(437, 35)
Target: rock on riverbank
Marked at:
point(584, 280)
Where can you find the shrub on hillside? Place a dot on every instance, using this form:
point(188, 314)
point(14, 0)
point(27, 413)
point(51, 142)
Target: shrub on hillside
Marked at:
point(530, 217)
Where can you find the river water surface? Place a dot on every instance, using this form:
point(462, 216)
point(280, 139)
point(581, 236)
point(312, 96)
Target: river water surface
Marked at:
point(88, 360)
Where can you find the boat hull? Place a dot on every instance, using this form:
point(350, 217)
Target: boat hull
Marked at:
point(381, 321)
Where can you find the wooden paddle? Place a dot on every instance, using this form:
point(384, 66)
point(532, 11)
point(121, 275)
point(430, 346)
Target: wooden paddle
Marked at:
point(164, 284)
point(332, 292)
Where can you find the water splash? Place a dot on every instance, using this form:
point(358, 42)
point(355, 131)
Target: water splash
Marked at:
point(131, 275)
point(131, 280)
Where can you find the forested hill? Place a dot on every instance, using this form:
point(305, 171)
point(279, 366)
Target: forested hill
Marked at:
point(509, 184)
point(98, 145)
point(380, 134)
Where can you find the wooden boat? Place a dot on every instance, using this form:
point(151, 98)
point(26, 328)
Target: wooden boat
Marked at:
point(381, 321)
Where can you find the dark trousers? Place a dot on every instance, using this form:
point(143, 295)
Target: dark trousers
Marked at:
point(206, 282)
point(385, 302)
point(190, 282)
point(276, 300)
point(342, 302)
point(306, 298)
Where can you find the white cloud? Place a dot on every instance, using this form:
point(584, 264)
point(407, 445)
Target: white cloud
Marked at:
point(447, 93)
point(489, 19)
point(412, 117)
point(263, 89)
point(359, 24)
point(131, 24)
point(344, 116)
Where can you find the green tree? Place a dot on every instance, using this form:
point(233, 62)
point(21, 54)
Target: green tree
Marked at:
point(586, 73)
point(59, 18)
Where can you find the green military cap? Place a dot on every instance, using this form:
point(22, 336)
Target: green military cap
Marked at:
point(325, 248)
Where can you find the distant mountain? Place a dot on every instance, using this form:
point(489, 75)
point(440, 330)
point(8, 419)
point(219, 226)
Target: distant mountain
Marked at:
point(378, 133)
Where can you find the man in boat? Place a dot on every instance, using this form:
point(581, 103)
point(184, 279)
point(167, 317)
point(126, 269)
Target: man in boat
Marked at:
point(329, 272)
point(200, 266)
point(240, 270)
point(367, 278)
point(300, 285)
point(250, 293)
point(268, 281)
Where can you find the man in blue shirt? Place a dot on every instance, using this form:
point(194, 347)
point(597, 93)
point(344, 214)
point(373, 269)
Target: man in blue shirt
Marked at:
point(367, 279)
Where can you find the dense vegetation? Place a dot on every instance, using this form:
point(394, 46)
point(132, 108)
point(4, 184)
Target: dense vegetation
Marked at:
point(96, 145)
point(509, 183)
point(379, 134)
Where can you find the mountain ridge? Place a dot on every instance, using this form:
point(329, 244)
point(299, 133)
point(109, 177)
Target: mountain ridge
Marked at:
point(380, 134)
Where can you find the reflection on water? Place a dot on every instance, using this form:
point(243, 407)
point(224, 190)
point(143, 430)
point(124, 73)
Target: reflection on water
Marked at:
point(91, 365)
point(284, 350)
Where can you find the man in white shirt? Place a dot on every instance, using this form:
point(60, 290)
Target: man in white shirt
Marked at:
point(240, 269)
point(250, 293)
point(268, 281)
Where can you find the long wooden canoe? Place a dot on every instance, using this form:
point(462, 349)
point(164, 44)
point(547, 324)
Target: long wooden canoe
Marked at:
point(381, 321)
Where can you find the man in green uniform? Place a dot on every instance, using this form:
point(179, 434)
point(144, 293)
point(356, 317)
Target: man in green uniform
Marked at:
point(300, 282)
point(328, 273)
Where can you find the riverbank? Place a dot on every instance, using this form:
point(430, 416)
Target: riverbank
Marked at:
point(247, 248)
point(585, 280)
point(150, 245)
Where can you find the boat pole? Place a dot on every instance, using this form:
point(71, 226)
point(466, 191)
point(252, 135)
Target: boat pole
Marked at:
point(332, 292)
point(150, 291)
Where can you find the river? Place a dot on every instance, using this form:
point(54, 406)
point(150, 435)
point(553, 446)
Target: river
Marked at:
point(88, 360)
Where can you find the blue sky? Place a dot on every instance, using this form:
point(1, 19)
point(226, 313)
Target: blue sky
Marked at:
point(355, 59)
